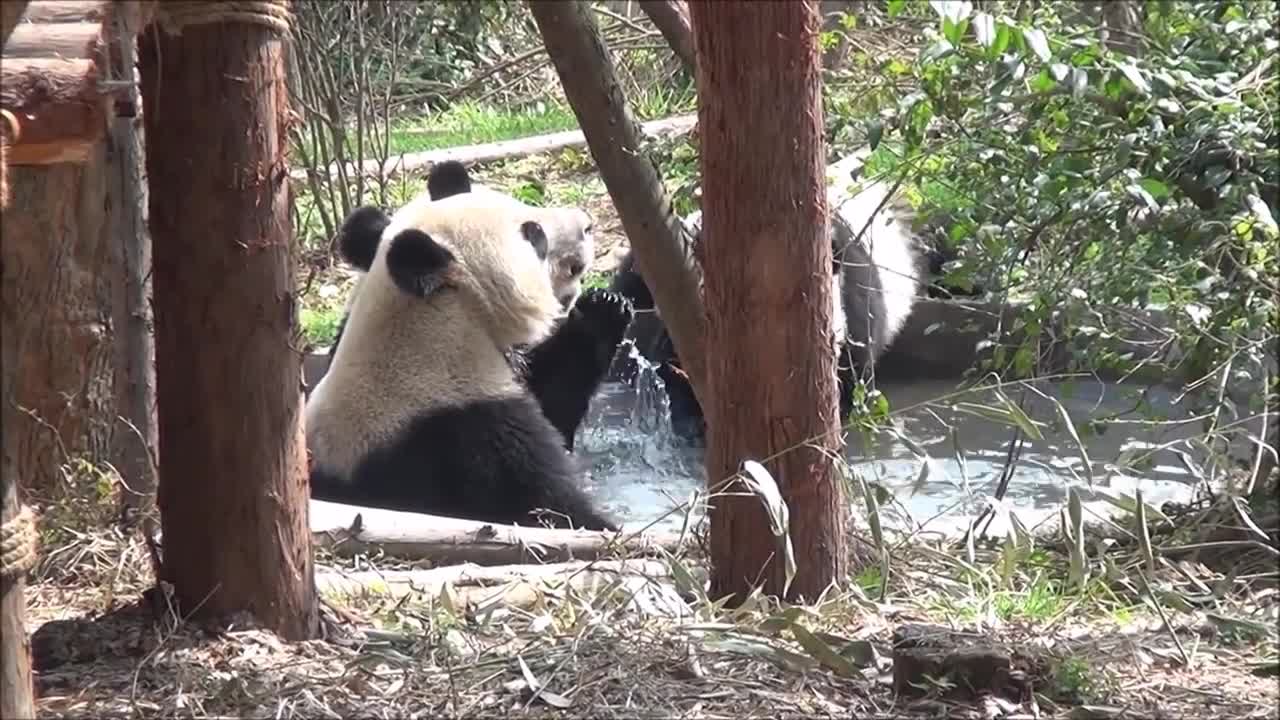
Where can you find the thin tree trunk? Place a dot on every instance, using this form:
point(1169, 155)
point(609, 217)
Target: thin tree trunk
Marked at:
point(233, 471)
point(771, 383)
point(671, 17)
point(135, 435)
point(17, 697)
point(657, 236)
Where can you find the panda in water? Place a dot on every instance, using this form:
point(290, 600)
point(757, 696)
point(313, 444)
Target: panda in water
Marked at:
point(565, 370)
point(420, 409)
point(875, 280)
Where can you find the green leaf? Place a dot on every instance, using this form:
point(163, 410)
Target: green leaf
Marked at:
point(938, 50)
point(1135, 77)
point(984, 29)
point(953, 10)
point(820, 651)
point(1003, 35)
point(875, 132)
point(1039, 43)
point(1157, 189)
point(1263, 214)
point(896, 6)
point(1079, 81)
point(1041, 82)
point(953, 31)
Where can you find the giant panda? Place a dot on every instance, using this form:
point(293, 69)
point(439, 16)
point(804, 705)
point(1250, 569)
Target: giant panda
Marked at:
point(420, 409)
point(565, 370)
point(875, 278)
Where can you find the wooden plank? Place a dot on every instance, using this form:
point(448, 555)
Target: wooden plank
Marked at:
point(56, 101)
point(75, 151)
point(61, 40)
point(43, 12)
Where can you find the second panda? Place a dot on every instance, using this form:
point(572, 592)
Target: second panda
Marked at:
point(566, 369)
point(876, 272)
point(420, 409)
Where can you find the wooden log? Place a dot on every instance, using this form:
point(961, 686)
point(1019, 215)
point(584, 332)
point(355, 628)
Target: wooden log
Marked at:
point(511, 585)
point(233, 460)
point(135, 435)
point(67, 11)
point(69, 41)
point(59, 105)
point(446, 540)
point(17, 696)
point(56, 291)
point(501, 150)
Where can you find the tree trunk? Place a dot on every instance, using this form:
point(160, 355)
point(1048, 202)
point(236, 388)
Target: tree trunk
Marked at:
point(233, 489)
point(771, 379)
point(671, 17)
point(56, 310)
point(135, 389)
point(657, 236)
point(17, 697)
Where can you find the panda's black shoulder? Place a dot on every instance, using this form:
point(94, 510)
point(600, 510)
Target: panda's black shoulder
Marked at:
point(448, 178)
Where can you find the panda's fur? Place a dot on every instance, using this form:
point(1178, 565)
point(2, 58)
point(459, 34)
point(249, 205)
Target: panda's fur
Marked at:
point(420, 409)
point(565, 370)
point(875, 280)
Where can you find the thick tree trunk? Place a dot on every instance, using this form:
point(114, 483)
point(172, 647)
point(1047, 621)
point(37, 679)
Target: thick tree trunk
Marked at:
point(671, 17)
point(771, 379)
point(657, 236)
point(17, 699)
point(56, 311)
point(135, 389)
point(233, 493)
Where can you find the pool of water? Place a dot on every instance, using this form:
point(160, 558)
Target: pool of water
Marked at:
point(640, 473)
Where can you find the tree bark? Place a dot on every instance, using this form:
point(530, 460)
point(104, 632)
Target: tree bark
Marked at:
point(135, 433)
point(671, 17)
point(657, 236)
point(55, 304)
point(771, 380)
point(17, 697)
point(233, 493)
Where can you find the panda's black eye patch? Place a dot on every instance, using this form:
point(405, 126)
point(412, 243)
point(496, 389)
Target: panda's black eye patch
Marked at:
point(537, 237)
point(416, 263)
point(359, 235)
point(576, 267)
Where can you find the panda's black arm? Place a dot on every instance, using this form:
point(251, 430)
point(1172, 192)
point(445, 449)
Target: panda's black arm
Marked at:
point(564, 371)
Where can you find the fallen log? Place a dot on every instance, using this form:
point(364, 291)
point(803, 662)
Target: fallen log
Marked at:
point(494, 151)
point(647, 583)
point(350, 529)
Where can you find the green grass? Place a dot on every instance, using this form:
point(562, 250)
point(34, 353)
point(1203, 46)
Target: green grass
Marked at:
point(471, 124)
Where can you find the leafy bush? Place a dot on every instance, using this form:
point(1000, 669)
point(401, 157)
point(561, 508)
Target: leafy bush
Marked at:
point(1091, 183)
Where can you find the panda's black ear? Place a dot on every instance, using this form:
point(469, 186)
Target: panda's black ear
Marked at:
point(448, 178)
point(537, 237)
point(359, 235)
point(417, 263)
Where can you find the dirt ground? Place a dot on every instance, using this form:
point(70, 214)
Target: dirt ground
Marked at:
point(591, 654)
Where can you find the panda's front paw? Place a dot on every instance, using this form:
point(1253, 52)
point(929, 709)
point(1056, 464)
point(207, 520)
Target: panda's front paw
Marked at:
point(605, 311)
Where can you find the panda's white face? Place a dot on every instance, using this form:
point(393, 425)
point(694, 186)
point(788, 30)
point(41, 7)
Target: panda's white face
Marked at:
point(570, 239)
point(572, 250)
point(500, 275)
